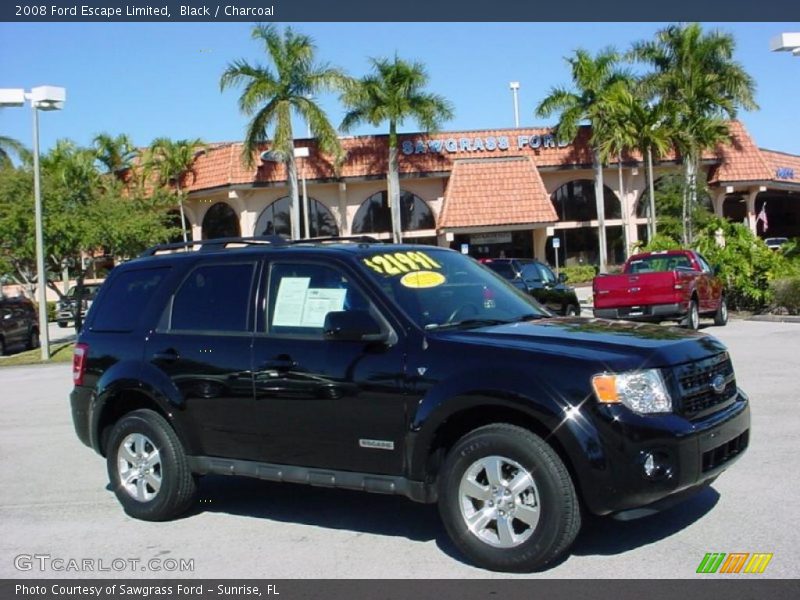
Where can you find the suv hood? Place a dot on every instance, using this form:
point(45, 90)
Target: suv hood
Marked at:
point(619, 344)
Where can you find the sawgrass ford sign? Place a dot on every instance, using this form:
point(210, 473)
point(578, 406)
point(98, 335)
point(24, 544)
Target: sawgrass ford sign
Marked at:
point(480, 144)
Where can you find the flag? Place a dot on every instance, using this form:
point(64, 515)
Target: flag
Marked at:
point(762, 216)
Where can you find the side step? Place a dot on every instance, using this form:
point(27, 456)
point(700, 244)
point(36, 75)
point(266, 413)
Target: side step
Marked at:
point(350, 480)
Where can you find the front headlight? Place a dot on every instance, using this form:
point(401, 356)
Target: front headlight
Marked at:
point(644, 392)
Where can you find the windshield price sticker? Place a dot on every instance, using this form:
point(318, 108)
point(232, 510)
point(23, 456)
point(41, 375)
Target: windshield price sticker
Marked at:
point(400, 263)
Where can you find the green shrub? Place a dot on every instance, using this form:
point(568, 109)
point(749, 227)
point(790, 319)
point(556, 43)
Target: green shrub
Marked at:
point(786, 294)
point(579, 273)
point(51, 311)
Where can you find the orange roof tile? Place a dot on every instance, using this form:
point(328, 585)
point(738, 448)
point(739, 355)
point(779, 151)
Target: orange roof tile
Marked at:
point(501, 191)
point(740, 160)
point(784, 167)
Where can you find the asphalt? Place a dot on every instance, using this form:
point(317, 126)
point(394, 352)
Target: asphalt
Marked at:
point(54, 500)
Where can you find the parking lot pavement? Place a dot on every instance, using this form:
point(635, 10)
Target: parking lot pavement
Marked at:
point(53, 500)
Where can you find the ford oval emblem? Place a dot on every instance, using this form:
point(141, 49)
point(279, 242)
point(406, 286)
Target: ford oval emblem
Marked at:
point(718, 384)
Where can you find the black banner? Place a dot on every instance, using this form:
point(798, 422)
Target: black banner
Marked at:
point(408, 11)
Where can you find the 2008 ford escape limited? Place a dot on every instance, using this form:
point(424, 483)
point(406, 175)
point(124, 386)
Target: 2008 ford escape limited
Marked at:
point(395, 369)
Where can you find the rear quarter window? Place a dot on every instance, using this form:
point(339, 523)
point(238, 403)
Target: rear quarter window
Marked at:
point(123, 303)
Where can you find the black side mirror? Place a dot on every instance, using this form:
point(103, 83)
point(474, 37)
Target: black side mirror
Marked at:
point(352, 326)
point(562, 278)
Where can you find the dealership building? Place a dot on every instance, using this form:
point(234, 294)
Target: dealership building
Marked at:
point(496, 192)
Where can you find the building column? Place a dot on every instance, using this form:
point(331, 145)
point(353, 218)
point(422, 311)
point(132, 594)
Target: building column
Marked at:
point(718, 201)
point(540, 244)
point(247, 218)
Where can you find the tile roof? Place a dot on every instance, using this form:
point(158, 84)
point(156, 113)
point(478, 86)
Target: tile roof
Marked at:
point(784, 167)
point(222, 165)
point(517, 194)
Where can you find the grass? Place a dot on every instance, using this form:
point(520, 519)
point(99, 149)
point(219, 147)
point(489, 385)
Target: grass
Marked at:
point(59, 353)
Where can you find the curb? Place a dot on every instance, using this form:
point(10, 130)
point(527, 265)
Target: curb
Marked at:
point(775, 318)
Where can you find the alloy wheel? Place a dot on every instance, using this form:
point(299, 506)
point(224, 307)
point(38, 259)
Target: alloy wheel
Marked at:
point(139, 467)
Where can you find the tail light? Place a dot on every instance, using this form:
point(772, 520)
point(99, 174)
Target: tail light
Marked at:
point(79, 357)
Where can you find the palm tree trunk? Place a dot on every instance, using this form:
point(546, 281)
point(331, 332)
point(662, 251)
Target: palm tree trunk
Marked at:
point(291, 171)
point(689, 195)
point(652, 199)
point(180, 205)
point(622, 206)
point(393, 182)
point(601, 210)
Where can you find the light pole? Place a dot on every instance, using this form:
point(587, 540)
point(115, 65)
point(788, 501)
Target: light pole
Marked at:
point(514, 87)
point(270, 156)
point(786, 42)
point(45, 97)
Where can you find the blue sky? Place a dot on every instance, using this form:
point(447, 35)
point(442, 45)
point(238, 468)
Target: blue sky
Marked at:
point(151, 80)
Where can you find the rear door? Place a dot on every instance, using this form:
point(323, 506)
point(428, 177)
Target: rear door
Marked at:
point(204, 344)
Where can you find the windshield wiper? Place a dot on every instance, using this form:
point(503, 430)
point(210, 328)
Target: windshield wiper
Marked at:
point(467, 323)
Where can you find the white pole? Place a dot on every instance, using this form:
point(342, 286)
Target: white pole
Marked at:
point(44, 338)
point(306, 216)
point(516, 107)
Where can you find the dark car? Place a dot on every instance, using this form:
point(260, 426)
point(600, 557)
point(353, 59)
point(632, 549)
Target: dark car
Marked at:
point(18, 324)
point(395, 369)
point(538, 280)
point(67, 309)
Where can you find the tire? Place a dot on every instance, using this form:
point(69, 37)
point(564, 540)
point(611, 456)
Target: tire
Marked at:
point(136, 436)
point(33, 339)
point(721, 316)
point(2, 347)
point(531, 539)
point(63, 324)
point(692, 320)
point(572, 311)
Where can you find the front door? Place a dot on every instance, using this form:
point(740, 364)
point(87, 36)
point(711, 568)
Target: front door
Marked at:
point(204, 345)
point(322, 403)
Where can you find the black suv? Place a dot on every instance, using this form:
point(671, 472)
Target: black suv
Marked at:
point(536, 279)
point(18, 324)
point(395, 369)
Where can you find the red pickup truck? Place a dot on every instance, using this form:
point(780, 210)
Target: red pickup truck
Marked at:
point(674, 285)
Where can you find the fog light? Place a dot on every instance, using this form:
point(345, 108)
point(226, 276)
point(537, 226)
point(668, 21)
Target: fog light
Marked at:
point(655, 465)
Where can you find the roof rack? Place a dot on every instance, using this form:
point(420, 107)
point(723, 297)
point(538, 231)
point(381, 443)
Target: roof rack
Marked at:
point(239, 242)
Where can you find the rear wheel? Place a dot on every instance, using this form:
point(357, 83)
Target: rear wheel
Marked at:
point(506, 499)
point(33, 339)
point(692, 320)
point(572, 311)
point(147, 467)
point(721, 316)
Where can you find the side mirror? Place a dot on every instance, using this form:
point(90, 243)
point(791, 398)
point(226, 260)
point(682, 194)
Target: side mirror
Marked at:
point(562, 278)
point(352, 326)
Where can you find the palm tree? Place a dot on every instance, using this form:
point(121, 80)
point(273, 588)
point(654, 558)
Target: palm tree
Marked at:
point(116, 154)
point(272, 94)
point(635, 124)
point(173, 160)
point(9, 146)
point(393, 92)
point(696, 76)
point(592, 78)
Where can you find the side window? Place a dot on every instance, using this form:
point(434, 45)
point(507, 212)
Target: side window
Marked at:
point(530, 273)
point(214, 298)
point(126, 299)
point(703, 264)
point(301, 295)
point(547, 274)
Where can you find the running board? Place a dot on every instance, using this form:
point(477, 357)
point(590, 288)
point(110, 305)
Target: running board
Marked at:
point(349, 480)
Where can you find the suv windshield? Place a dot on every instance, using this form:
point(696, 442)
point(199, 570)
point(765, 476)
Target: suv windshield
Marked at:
point(438, 288)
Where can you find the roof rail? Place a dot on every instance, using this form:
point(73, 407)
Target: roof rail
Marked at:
point(216, 244)
point(357, 239)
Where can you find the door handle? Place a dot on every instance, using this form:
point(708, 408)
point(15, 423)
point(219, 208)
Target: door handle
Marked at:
point(169, 355)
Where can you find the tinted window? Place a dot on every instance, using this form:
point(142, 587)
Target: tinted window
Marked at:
point(547, 275)
point(214, 298)
point(301, 296)
point(504, 269)
point(126, 299)
point(530, 272)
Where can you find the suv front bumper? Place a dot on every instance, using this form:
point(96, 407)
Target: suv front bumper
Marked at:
point(654, 462)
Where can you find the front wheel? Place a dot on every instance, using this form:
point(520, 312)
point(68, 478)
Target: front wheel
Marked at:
point(507, 500)
point(33, 339)
point(721, 316)
point(147, 467)
point(692, 320)
point(572, 311)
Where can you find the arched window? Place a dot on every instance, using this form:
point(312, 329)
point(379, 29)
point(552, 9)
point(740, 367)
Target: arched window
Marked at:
point(373, 216)
point(276, 219)
point(221, 221)
point(575, 201)
point(643, 205)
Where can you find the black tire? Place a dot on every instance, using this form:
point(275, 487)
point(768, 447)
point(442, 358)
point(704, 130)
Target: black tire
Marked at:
point(572, 311)
point(33, 339)
point(63, 324)
point(553, 496)
point(2, 347)
point(177, 488)
point(692, 320)
point(721, 316)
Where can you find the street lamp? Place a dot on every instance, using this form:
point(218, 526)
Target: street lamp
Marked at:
point(786, 42)
point(45, 97)
point(514, 87)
